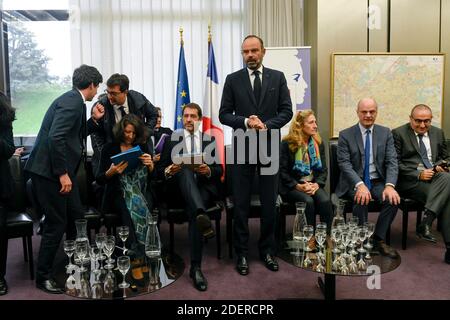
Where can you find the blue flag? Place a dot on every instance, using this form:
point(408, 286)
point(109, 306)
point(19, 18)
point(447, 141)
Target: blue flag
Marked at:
point(182, 91)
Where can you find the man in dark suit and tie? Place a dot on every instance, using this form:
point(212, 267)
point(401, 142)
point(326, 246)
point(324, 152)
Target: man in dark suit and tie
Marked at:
point(368, 164)
point(421, 150)
point(198, 186)
point(110, 109)
point(254, 99)
point(53, 164)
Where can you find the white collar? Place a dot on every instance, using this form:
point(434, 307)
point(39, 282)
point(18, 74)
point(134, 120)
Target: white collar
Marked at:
point(260, 69)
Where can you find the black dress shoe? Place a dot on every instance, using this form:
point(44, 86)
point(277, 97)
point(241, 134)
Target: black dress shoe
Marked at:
point(385, 250)
point(49, 286)
point(199, 279)
point(447, 256)
point(3, 287)
point(242, 266)
point(270, 262)
point(424, 232)
point(205, 226)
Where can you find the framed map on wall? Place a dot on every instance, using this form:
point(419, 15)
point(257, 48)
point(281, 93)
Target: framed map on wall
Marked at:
point(397, 81)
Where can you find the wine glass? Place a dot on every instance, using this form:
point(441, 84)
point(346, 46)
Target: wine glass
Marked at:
point(109, 247)
point(308, 232)
point(100, 239)
point(69, 249)
point(123, 263)
point(123, 233)
point(81, 248)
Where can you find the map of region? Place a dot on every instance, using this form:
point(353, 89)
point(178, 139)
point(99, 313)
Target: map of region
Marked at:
point(397, 82)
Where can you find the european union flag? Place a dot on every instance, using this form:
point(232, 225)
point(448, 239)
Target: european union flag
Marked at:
point(182, 90)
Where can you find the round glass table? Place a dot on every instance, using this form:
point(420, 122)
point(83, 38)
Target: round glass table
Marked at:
point(145, 275)
point(294, 254)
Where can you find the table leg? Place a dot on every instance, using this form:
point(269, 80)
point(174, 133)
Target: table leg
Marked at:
point(328, 287)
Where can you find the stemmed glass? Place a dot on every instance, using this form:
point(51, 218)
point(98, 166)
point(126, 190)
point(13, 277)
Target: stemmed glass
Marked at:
point(308, 232)
point(109, 247)
point(100, 239)
point(321, 235)
point(123, 263)
point(123, 233)
point(362, 233)
point(69, 249)
point(81, 248)
point(370, 230)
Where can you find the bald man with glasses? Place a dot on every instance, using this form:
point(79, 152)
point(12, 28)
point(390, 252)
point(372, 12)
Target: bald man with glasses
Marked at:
point(423, 174)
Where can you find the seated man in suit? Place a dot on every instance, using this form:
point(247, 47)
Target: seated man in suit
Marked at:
point(198, 186)
point(368, 164)
point(422, 150)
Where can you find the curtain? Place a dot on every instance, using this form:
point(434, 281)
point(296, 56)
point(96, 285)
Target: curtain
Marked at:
point(141, 39)
point(278, 22)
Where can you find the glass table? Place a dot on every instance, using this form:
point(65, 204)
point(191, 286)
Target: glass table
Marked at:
point(146, 275)
point(293, 253)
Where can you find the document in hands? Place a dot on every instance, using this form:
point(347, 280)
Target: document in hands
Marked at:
point(131, 156)
point(191, 160)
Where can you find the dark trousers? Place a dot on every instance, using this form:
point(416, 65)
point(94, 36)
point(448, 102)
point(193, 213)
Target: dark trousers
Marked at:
point(61, 211)
point(3, 241)
point(196, 199)
point(386, 215)
point(435, 195)
point(242, 180)
point(319, 203)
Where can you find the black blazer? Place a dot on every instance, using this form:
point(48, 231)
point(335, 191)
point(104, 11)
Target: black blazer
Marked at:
point(212, 183)
point(289, 178)
point(238, 101)
point(6, 151)
point(409, 155)
point(138, 104)
point(59, 144)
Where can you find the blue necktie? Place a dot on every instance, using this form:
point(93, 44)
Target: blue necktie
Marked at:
point(423, 153)
point(367, 161)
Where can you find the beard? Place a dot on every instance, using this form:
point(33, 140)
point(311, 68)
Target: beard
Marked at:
point(253, 65)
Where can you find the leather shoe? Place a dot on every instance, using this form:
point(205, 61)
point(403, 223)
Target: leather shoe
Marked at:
point(385, 250)
point(205, 226)
point(270, 262)
point(199, 279)
point(424, 232)
point(447, 256)
point(242, 266)
point(49, 286)
point(3, 287)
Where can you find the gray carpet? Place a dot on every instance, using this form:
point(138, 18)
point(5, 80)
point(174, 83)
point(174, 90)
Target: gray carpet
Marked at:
point(422, 274)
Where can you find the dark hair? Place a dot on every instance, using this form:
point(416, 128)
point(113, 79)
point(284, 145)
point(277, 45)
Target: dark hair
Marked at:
point(141, 130)
point(120, 80)
point(195, 106)
point(7, 113)
point(254, 36)
point(84, 75)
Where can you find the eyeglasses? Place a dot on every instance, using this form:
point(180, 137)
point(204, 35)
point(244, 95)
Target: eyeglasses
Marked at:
point(419, 121)
point(112, 93)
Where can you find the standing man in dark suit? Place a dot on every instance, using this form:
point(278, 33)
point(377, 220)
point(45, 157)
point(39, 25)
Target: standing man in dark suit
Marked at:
point(368, 164)
point(53, 165)
point(255, 98)
point(110, 109)
point(7, 116)
point(198, 187)
point(421, 150)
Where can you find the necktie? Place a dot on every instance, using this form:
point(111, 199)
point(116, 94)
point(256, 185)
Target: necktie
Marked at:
point(122, 111)
point(257, 86)
point(192, 144)
point(367, 161)
point(423, 153)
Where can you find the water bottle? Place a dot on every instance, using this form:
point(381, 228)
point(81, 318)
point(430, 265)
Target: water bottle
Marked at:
point(339, 215)
point(152, 239)
point(299, 221)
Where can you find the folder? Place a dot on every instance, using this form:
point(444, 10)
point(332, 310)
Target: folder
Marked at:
point(160, 144)
point(131, 156)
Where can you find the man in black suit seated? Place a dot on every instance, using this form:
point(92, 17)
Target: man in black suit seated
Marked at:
point(198, 186)
point(53, 164)
point(421, 150)
point(110, 109)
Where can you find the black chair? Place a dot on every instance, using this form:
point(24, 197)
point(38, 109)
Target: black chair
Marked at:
point(19, 223)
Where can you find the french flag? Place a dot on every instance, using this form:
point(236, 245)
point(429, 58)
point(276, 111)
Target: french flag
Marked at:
point(211, 124)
